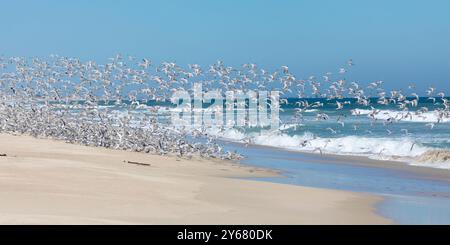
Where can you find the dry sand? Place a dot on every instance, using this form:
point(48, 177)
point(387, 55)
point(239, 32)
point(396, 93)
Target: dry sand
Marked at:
point(50, 182)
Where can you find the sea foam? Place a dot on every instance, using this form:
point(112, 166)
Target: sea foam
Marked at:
point(409, 116)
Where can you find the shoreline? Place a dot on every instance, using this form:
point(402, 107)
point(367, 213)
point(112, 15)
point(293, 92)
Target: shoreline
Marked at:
point(412, 194)
point(46, 181)
point(425, 172)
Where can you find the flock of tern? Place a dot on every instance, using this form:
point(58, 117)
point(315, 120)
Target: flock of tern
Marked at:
point(74, 100)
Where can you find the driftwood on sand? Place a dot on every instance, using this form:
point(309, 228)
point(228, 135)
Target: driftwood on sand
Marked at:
point(138, 163)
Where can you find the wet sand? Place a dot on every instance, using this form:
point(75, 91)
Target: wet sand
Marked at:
point(51, 182)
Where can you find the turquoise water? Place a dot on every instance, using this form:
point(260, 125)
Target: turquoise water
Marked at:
point(369, 127)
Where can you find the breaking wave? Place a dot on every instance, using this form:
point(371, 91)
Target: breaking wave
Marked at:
point(401, 149)
point(409, 116)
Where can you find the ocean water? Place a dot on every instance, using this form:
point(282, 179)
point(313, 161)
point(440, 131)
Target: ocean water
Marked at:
point(393, 133)
point(352, 131)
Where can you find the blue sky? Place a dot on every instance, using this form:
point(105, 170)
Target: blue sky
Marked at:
point(396, 41)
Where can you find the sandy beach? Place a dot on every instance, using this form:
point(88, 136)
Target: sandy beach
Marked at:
point(51, 182)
